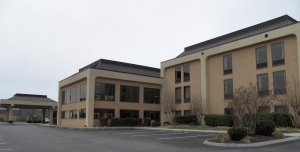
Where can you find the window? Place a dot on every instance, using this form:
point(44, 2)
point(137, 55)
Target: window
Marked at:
point(65, 97)
point(177, 75)
point(186, 73)
point(107, 113)
point(129, 93)
point(227, 63)
point(186, 112)
point(153, 115)
point(228, 111)
point(228, 89)
point(129, 114)
point(177, 113)
point(187, 93)
point(83, 92)
point(64, 114)
point(74, 95)
point(263, 84)
point(82, 113)
point(277, 54)
point(104, 92)
point(73, 114)
point(151, 95)
point(178, 95)
point(281, 109)
point(261, 57)
point(264, 109)
point(279, 82)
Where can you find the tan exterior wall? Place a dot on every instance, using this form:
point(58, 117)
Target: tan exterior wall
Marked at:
point(79, 79)
point(194, 83)
point(117, 105)
point(245, 72)
point(73, 106)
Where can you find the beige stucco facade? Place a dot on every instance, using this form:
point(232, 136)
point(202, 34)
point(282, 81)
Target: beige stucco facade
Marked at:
point(206, 77)
point(211, 78)
point(90, 77)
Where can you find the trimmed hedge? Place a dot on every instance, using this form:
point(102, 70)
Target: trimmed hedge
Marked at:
point(103, 121)
point(265, 127)
point(126, 122)
point(280, 120)
point(185, 119)
point(215, 120)
point(147, 121)
point(155, 124)
point(237, 133)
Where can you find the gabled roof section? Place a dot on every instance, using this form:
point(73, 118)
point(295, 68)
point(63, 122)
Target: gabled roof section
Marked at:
point(122, 67)
point(31, 97)
point(240, 34)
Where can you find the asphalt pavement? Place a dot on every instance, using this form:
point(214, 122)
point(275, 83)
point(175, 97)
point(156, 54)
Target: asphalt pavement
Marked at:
point(34, 138)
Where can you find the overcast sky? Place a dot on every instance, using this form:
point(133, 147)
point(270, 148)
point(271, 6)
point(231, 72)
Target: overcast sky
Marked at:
point(43, 42)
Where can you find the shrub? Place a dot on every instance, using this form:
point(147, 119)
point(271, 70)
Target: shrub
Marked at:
point(265, 127)
point(126, 122)
point(185, 119)
point(155, 124)
point(166, 123)
point(103, 121)
point(147, 122)
point(215, 120)
point(10, 121)
point(237, 133)
point(280, 120)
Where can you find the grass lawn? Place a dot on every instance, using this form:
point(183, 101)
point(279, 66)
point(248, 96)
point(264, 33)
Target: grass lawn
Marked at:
point(287, 130)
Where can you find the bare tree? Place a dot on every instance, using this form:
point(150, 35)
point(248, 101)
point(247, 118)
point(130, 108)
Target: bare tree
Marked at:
point(169, 105)
point(288, 97)
point(245, 105)
point(196, 107)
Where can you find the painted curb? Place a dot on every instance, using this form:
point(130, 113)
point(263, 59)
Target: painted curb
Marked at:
point(258, 144)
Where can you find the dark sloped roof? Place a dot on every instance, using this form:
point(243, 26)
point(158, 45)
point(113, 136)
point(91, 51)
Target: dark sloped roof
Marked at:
point(31, 97)
point(240, 34)
point(116, 66)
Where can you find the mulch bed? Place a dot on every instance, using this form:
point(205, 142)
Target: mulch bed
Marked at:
point(253, 139)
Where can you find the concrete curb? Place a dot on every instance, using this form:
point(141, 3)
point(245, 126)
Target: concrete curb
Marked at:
point(133, 128)
point(258, 144)
point(181, 130)
point(87, 128)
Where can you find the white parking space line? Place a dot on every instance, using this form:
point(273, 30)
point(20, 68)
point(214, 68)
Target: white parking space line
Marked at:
point(120, 133)
point(180, 137)
point(158, 134)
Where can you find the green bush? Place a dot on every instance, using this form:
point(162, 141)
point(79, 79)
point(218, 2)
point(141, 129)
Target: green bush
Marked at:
point(185, 119)
point(280, 120)
point(265, 127)
point(215, 120)
point(10, 121)
point(237, 133)
point(155, 124)
point(126, 122)
point(147, 121)
point(166, 123)
point(103, 121)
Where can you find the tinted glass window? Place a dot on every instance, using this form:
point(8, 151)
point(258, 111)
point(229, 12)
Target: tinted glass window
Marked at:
point(178, 95)
point(261, 57)
point(228, 88)
point(279, 82)
point(277, 54)
point(129, 93)
point(186, 73)
point(227, 64)
point(177, 75)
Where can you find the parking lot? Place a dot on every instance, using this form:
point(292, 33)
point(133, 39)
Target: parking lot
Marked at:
point(33, 138)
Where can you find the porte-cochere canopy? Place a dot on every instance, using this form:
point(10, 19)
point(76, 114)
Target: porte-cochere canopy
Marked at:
point(29, 101)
